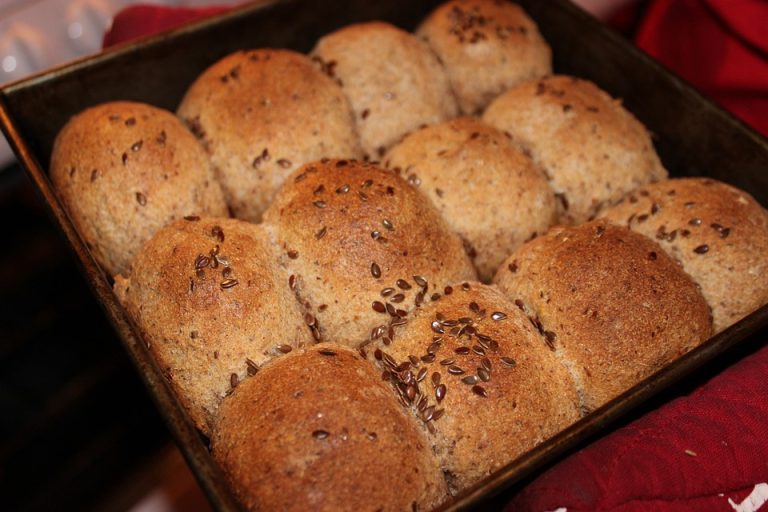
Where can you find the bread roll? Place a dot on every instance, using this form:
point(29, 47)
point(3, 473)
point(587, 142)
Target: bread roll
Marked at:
point(212, 305)
point(613, 306)
point(392, 79)
point(481, 379)
point(123, 170)
point(362, 246)
point(592, 149)
point(261, 114)
point(717, 232)
point(490, 193)
point(486, 46)
point(319, 430)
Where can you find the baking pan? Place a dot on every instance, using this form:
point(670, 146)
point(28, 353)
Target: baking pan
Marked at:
point(693, 137)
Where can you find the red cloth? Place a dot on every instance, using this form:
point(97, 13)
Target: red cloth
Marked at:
point(719, 46)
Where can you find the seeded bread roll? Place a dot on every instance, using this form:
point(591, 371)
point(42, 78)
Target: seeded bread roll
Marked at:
point(591, 148)
point(362, 247)
point(123, 170)
point(481, 378)
point(490, 193)
point(261, 114)
point(611, 303)
point(486, 46)
point(392, 79)
point(212, 306)
point(319, 430)
point(717, 232)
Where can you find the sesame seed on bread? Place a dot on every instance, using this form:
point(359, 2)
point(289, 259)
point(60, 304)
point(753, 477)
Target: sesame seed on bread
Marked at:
point(392, 79)
point(123, 170)
point(319, 430)
point(486, 188)
point(592, 149)
point(212, 306)
point(363, 246)
point(480, 378)
point(261, 114)
point(717, 232)
point(486, 46)
point(613, 305)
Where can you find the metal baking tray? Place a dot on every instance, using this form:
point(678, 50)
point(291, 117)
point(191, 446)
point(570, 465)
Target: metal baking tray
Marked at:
point(693, 137)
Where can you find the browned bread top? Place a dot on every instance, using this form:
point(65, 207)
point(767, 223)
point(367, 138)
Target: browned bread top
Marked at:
point(212, 305)
point(611, 302)
point(480, 377)
point(392, 79)
point(319, 430)
point(261, 114)
point(123, 170)
point(486, 46)
point(717, 232)
point(593, 150)
point(363, 246)
point(490, 193)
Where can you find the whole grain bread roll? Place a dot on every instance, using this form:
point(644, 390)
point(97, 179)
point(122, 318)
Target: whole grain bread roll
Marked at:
point(480, 378)
point(591, 148)
point(486, 46)
point(319, 430)
point(717, 232)
point(212, 306)
point(611, 303)
point(490, 193)
point(362, 247)
point(261, 114)
point(392, 79)
point(123, 170)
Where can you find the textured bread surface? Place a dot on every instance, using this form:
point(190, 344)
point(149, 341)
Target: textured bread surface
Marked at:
point(488, 191)
point(486, 46)
point(480, 378)
point(319, 430)
point(260, 114)
point(613, 305)
point(592, 149)
point(392, 79)
point(717, 232)
point(358, 241)
point(212, 305)
point(123, 170)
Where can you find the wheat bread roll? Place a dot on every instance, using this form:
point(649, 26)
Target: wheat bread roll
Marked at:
point(319, 430)
point(392, 79)
point(212, 305)
point(717, 232)
point(486, 188)
point(261, 114)
point(123, 170)
point(612, 304)
point(480, 378)
point(362, 247)
point(486, 46)
point(592, 149)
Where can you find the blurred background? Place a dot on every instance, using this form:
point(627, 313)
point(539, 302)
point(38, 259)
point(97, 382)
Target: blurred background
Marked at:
point(77, 429)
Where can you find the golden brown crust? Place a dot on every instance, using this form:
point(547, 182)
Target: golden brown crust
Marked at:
point(614, 306)
point(319, 430)
point(486, 46)
point(488, 191)
point(347, 230)
point(123, 170)
point(204, 323)
point(261, 114)
point(392, 79)
point(491, 387)
point(593, 150)
point(717, 232)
